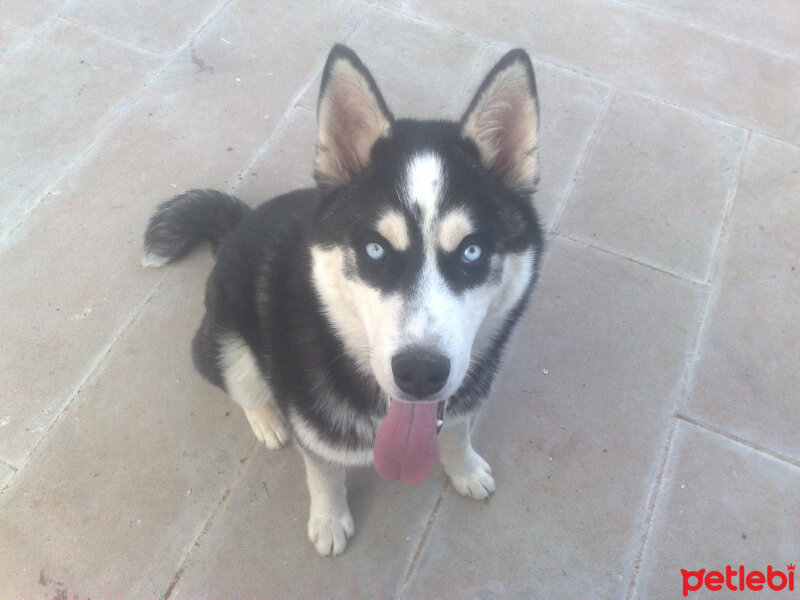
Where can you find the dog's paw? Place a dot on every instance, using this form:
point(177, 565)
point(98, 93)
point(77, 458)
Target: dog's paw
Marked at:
point(268, 425)
point(329, 533)
point(473, 477)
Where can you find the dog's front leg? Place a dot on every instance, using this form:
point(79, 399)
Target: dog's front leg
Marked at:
point(329, 521)
point(470, 475)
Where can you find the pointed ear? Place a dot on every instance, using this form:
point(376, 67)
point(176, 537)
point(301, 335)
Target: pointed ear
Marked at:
point(503, 121)
point(351, 117)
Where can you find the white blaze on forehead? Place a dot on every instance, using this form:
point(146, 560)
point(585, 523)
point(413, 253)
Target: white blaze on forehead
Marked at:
point(455, 226)
point(424, 184)
point(393, 227)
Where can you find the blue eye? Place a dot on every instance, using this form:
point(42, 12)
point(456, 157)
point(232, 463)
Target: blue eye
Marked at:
point(472, 253)
point(375, 251)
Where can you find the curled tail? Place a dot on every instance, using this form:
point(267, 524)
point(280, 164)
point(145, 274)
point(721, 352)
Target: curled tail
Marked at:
point(186, 220)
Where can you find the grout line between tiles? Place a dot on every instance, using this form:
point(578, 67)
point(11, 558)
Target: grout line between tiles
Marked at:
point(33, 34)
point(423, 540)
point(709, 116)
point(707, 427)
point(649, 10)
point(689, 365)
point(587, 149)
point(210, 521)
point(87, 378)
point(472, 78)
point(691, 360)
point(347, 31)
point(726, 215)
point(637, 261)
point(550, 62)
point(5, 463)
point(111, 37)
point(112, 117)
point(652, 498)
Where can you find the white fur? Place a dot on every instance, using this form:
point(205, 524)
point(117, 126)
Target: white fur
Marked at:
point(364, 319)
point(248, 388)
point(309, 437)
point(517, 273)
point(268, 425)
point(375, 327)
point(343, 417)
point(153, 261)
point(469, 474)
point(329, 523)
point(423, 186)
point(393, 227)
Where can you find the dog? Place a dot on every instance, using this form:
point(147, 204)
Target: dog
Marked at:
point(366, 318)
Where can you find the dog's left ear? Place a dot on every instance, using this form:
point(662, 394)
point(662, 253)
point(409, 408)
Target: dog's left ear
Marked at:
point(503, 121)
point(351, 117)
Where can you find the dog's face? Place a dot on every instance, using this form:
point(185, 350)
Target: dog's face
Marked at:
point(425, 239)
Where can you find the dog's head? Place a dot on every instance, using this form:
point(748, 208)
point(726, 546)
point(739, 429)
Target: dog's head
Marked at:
point(424, 241)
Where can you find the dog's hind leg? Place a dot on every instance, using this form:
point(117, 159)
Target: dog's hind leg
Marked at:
point(205, 352)
point(329, 523)
point(470, 475)
point(248, 388)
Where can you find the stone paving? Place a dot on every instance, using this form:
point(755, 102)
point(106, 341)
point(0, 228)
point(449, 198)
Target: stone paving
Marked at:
point(647, 418)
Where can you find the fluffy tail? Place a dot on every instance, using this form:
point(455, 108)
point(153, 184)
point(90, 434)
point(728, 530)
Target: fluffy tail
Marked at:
point(181, 223)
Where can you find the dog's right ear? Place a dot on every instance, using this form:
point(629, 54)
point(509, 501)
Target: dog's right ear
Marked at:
point(351, 117)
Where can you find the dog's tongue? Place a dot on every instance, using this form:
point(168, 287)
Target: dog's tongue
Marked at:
point(406, 445)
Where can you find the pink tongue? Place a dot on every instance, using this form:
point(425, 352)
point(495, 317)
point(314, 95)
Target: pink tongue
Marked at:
point(406, 445)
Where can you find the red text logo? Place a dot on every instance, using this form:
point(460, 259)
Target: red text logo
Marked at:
point(738, 579)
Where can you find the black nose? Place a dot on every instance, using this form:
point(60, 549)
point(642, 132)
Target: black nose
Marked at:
point(420, 373)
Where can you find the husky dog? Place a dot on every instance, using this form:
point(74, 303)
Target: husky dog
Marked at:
point(366, 318)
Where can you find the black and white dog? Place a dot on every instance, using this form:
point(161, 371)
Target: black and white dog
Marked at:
point(366, 318)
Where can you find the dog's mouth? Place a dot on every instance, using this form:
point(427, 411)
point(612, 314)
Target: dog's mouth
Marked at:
point(406, 443)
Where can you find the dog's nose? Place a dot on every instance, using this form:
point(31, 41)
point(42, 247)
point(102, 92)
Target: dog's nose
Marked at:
point(420, 373)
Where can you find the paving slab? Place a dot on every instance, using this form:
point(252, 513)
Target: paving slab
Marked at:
point(150, 483)
point(152, 25)
point(746, 380)
point(288, 163)
point(423, 72)
point(190, 130)
point(119, 490)
point(6, 473)
point(66, 82)
point(20, 19)
point(574, 432)
point(258, 544)
point(720, 504)
point(776, 24)
point(655, 185)
point(711, 73)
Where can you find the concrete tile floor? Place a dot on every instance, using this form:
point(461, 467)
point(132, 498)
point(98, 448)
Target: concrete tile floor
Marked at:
point(646, 419)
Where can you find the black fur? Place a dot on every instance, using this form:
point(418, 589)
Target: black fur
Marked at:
point(261, 287)
point(260, 290)
point(195, 216)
